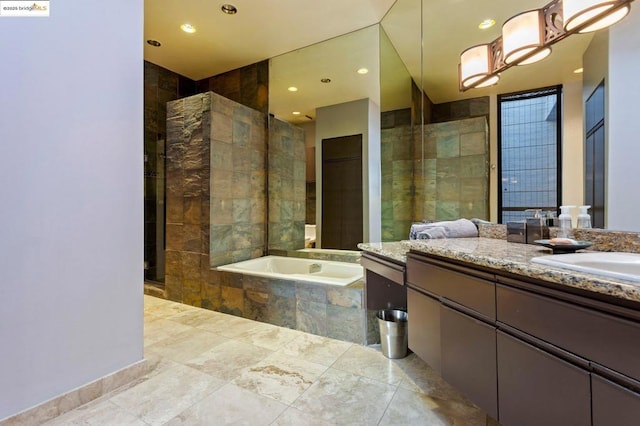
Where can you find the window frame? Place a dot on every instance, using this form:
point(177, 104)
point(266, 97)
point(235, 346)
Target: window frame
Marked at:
point(530, 94)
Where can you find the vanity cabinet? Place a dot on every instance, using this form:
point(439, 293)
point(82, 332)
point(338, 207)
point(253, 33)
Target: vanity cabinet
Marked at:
point(526, 351)
point(451, 326)
point(538, 388)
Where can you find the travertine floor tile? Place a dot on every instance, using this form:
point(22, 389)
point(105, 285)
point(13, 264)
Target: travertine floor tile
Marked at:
point(166, 395)
point(186, 345)
point(279, 377)
point(368, 362)
point(294, 417)
point(159, 329)
point(268, 336)
point(228, 359)
point(209, 368)
point(344, 398)
point(320, 350)
point(98, 414)
point(231, 405)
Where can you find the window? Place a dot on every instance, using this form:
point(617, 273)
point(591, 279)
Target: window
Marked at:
point(529, 146)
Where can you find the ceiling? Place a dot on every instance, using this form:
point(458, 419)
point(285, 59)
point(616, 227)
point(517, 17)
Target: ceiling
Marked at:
point(303, 38)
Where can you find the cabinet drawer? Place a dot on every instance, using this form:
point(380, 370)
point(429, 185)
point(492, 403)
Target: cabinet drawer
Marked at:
point(469, 358)
point(469, 291)
point(613, 404)
point(424, 327)
point(608, 340)
point(536, 388)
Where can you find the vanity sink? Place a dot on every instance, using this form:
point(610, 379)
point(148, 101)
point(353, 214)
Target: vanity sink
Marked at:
point(624, 266)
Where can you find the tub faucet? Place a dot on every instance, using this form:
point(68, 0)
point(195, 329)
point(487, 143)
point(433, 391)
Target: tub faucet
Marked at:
point(315, 267)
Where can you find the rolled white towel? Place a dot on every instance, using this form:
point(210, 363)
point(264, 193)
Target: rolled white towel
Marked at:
point(434, 232)
point(461, 228)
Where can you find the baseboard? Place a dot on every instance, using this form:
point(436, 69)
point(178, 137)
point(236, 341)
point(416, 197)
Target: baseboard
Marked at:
point(77, 397)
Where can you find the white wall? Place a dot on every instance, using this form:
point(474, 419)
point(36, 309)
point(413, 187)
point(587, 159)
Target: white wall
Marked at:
point(71, 244)
point(353, 118)
point(572, 145)
point(623, 202)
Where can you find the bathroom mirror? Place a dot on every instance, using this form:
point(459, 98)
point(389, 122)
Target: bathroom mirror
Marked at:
point(431, 62)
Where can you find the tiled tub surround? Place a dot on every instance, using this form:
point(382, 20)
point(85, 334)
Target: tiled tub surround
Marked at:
point(321, 309)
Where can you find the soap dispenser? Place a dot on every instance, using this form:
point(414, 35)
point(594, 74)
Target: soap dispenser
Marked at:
point(564, 222)
point(584, 220)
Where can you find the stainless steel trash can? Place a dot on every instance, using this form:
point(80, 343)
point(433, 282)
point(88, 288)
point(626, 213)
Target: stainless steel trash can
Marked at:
point(393, 332)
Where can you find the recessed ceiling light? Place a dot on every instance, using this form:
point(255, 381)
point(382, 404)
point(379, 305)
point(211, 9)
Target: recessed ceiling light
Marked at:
point(325, 80)
point(292, 89)
point(154, 43)
point(188, 28)
point(296, 112)
point(487, 23)
point(578, 71)
point(229, 9)
point(362, 71)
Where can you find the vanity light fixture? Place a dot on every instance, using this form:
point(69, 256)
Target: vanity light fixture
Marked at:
point(229, 9)
point(528, 36)
point(475, 65)
point(292, 88)
point(188, 28)
point(296, 113)
point(523, 34)
point(362, 71)
point(577, 12)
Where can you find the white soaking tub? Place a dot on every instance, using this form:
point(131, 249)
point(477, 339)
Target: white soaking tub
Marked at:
point(298, 269)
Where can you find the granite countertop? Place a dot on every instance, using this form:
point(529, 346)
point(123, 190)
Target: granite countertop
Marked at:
point(393, 250)
point(501, 255)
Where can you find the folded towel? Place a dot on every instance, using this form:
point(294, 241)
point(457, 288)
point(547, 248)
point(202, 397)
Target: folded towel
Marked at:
point(461, 228)
point(434, 232)
point(418, 227)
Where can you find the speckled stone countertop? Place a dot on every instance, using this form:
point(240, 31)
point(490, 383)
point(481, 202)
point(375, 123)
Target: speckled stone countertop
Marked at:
point(393, 250)
point(501, 255)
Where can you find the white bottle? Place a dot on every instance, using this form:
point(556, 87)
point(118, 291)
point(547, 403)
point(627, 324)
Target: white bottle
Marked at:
point(564, 222)
point(584, 220)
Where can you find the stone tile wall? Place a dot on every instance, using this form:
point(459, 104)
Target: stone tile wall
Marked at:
point(248, 85)
point(160, 87)
point(456, 171)
point(215, 187)
point(398, 186)
point(287, 186)
point(238, 200)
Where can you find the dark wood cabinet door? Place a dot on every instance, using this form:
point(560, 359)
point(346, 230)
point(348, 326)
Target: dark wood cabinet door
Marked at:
point(613, 405)
point(536, 388)
point(468, 349)
point(424, 327)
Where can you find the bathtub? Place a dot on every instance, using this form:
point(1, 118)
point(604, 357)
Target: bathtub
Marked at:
point(298, 269)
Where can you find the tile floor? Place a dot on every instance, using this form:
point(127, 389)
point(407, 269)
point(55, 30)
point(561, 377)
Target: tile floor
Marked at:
point(208, 368)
